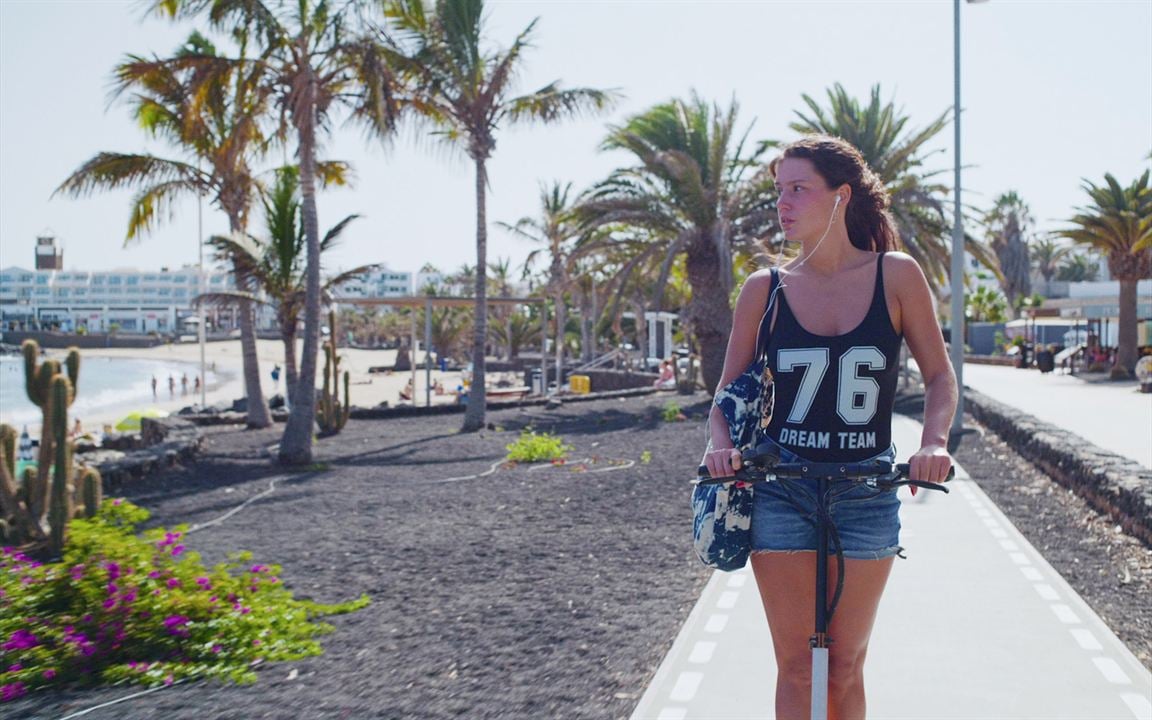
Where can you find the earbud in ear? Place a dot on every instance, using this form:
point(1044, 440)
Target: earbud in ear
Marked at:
point(838, 199)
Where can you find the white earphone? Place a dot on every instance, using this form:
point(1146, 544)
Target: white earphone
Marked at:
point(837, 201)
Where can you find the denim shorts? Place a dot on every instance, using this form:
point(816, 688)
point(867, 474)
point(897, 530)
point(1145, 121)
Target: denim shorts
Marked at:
point(867, 520)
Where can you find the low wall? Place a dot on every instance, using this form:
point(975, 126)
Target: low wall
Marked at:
point(167, 442)
point(1112, 484)
point(383, 413)
point(56, 340)
point(607, 380)
point(990, 360)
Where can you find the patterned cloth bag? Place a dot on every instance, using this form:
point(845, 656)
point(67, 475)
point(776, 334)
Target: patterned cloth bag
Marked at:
point(722, 514)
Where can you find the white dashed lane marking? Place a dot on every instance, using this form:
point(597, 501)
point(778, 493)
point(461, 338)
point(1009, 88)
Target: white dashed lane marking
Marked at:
point(702, 652)
point(1086, 639)
point(1065, 614)
point(716, 624)
point(1112, 671)
point(686, 686)
point(727, 600)
point(1139, 705)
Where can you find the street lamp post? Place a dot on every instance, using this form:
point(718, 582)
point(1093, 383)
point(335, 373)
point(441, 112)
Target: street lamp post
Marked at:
point(957, 277)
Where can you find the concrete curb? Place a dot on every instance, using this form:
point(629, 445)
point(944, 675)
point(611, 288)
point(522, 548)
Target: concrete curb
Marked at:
point(1112, 484)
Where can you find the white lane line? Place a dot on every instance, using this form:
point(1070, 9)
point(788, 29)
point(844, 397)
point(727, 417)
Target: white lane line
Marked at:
point(702, 652)
point(991, 522)
point(716, 623)
point(1086, 640)
point(1065, 614)
point(1047, 591)
point(736, 580)
point(727, 600)
point(1020, 558)
point(1009, 545)
point(686, 686)
point(998, 533)
point(1112, 671)
point(1138, 704)
point(672, 713)
point(1031, 573)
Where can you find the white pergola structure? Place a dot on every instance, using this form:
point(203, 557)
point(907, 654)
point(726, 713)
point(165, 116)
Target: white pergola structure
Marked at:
point(430, 301)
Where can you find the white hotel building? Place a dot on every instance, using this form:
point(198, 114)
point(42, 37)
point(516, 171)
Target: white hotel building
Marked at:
point(140, 301)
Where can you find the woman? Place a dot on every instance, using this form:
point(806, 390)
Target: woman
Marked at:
point(837, 318)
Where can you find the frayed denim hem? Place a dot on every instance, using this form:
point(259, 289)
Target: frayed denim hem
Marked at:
point(881, 554)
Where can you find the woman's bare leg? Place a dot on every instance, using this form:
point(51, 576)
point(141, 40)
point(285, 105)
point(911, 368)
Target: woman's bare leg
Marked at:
point(787, 583)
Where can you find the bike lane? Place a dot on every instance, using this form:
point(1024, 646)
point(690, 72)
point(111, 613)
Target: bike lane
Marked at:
point(975, 624)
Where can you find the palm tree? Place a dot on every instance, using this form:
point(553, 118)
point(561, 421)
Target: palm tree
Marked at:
point(985, 305)
point(313, 60)
point(1118, 221)
point(275, 267)
point(1047, 255)
point(555, 229)
point(1008, 225)
point(694, 193)
point(1078, 267)
point(464, 92)
point(918, 201)
point(219, 130)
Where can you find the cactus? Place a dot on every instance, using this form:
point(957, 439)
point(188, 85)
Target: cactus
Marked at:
point(60, 510)
point(331, 414)
point(35, 512)
point(93, 488)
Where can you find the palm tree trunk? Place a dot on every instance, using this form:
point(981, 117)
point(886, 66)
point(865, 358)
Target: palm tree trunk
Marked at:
point(291, 374)
point(1126, 354)
point(561, 320)
point(474, 415)
point(258, 414)
point(296, 443)
point(708, 311)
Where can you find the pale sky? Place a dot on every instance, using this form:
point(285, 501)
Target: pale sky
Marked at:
point(1053, 91)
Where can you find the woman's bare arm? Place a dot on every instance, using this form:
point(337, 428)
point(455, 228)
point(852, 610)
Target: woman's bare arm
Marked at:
point(741, 349)
point(922, 333)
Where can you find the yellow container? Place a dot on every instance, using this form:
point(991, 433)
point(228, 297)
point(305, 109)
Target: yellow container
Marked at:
point(580, 384)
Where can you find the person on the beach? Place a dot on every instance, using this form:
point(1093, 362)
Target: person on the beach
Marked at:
point(836, 321)
point(171, 385)
point(196, 385)
point(184, 384)
point(276, 378)
point(153, 386)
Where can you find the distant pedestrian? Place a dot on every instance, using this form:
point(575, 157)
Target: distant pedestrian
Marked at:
point(171, 385)
point(276, 378)
point(196, 387)
point(184, 384)
point(153, 386)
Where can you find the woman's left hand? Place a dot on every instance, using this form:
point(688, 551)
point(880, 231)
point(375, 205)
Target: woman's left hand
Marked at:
point(931, 463)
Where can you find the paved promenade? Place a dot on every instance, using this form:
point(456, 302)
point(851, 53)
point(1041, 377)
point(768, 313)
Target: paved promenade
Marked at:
point(975, 624)
point(1115, 416)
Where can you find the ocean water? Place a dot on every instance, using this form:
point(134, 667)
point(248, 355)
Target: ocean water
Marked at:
point(107, 385)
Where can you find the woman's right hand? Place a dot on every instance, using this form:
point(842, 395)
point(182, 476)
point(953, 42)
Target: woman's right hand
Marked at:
point(723, 462)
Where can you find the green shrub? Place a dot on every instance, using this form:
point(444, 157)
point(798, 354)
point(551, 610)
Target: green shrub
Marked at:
point(123, 607)
point(672, 412)
point(537, 447)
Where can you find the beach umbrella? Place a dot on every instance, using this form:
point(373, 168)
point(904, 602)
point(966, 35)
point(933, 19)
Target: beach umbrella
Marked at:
point(131, 421)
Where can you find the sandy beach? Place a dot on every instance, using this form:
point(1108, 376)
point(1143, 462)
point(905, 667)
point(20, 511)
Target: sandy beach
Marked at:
point(367, 389)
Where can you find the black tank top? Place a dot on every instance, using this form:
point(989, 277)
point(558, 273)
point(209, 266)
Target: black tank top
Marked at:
point(833, 395)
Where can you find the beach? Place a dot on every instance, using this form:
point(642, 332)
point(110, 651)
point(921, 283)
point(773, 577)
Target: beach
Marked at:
point(226, 382)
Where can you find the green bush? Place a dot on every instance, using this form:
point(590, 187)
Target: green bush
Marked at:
point(672, 412)
point(123, 607)
point(537, 447)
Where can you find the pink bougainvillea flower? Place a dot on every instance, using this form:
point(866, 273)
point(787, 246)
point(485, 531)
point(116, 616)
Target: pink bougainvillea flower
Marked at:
point(20, 640)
